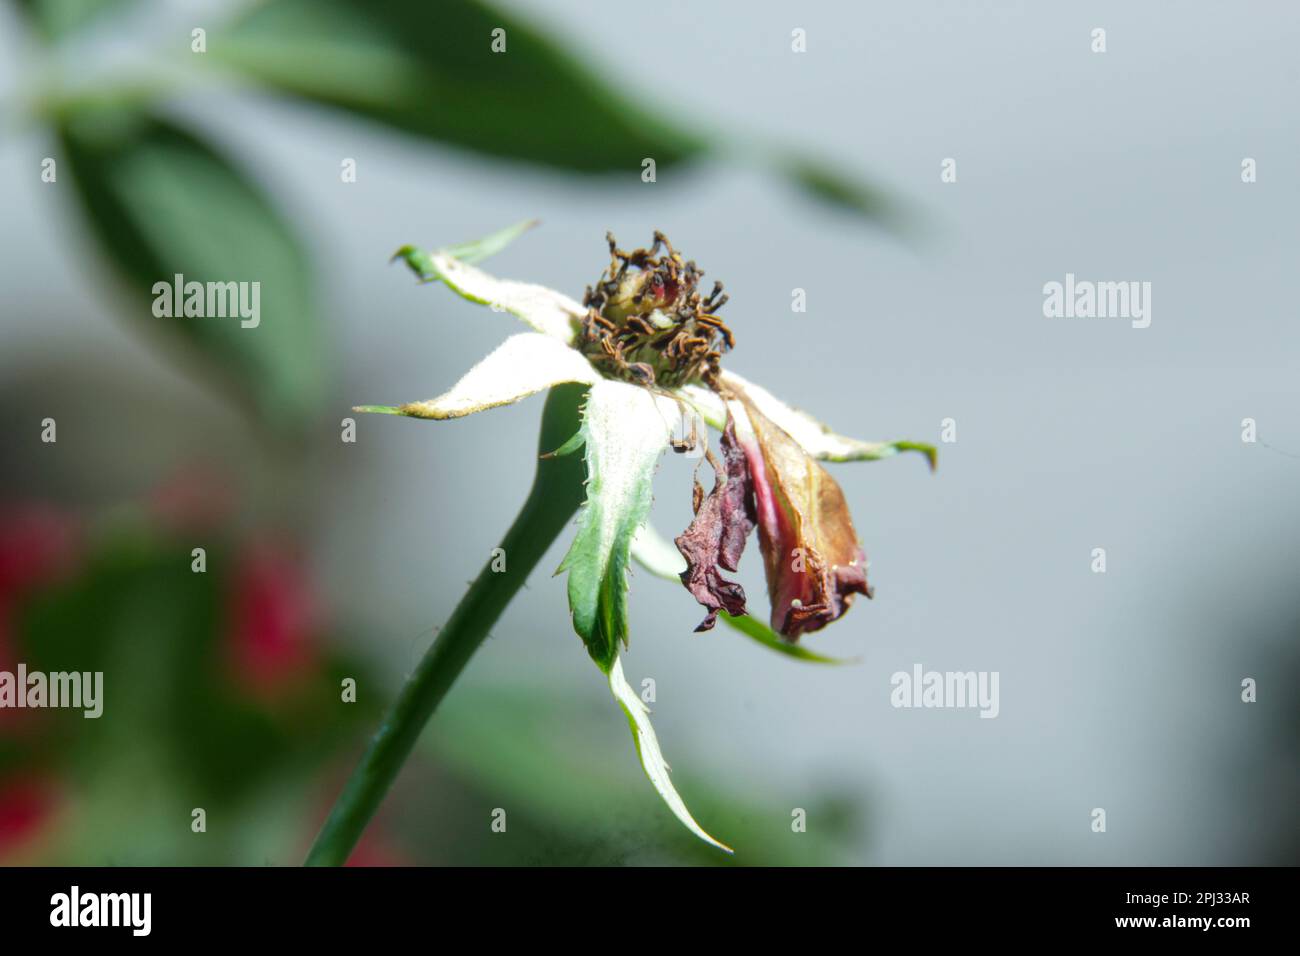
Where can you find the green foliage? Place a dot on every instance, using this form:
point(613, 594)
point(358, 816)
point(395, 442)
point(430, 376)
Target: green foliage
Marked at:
point(823, 183)
point(56, 19)
point(430, 70)
point(160, 202)
point(758, 631)
point(624, 434)
point(421, 263)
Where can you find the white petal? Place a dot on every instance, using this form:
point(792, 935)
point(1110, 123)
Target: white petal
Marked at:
point(627, 428)
point(522, 365)
point(550, 312)
point(652, 759)
point(817, 439)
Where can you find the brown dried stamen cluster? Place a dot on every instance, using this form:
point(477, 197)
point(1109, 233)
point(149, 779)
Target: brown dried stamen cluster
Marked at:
point(648, 323)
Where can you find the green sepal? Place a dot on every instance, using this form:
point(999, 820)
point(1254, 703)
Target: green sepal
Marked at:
point(476, 250)
point(625, 431)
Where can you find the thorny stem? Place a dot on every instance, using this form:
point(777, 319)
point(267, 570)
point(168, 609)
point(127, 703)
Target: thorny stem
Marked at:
point(555, 496)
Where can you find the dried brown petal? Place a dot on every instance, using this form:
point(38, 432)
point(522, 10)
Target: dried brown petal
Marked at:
point(810, 550)
point(716, 538)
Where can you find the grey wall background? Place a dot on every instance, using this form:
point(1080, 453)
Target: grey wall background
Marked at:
point(1119, 690)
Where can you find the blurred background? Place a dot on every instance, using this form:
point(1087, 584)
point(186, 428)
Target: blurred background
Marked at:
point(776, 170)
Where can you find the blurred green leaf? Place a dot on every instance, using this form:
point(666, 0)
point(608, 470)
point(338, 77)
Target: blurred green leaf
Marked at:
point(844, 192)
point(429, 69)
point(432, 71)
point(56, 19)
point(160, 202)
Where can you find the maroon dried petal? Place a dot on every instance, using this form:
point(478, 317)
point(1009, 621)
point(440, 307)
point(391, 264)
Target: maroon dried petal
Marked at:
point(716, 538)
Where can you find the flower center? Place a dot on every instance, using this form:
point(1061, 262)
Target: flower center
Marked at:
point(648, 323)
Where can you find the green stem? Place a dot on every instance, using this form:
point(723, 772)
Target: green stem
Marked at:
point(556, 494)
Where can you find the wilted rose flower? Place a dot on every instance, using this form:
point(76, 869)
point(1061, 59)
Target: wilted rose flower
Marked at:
point(646, 344)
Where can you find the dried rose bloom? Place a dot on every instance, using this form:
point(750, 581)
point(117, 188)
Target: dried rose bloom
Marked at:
point(648, 345)
point(647, 322)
